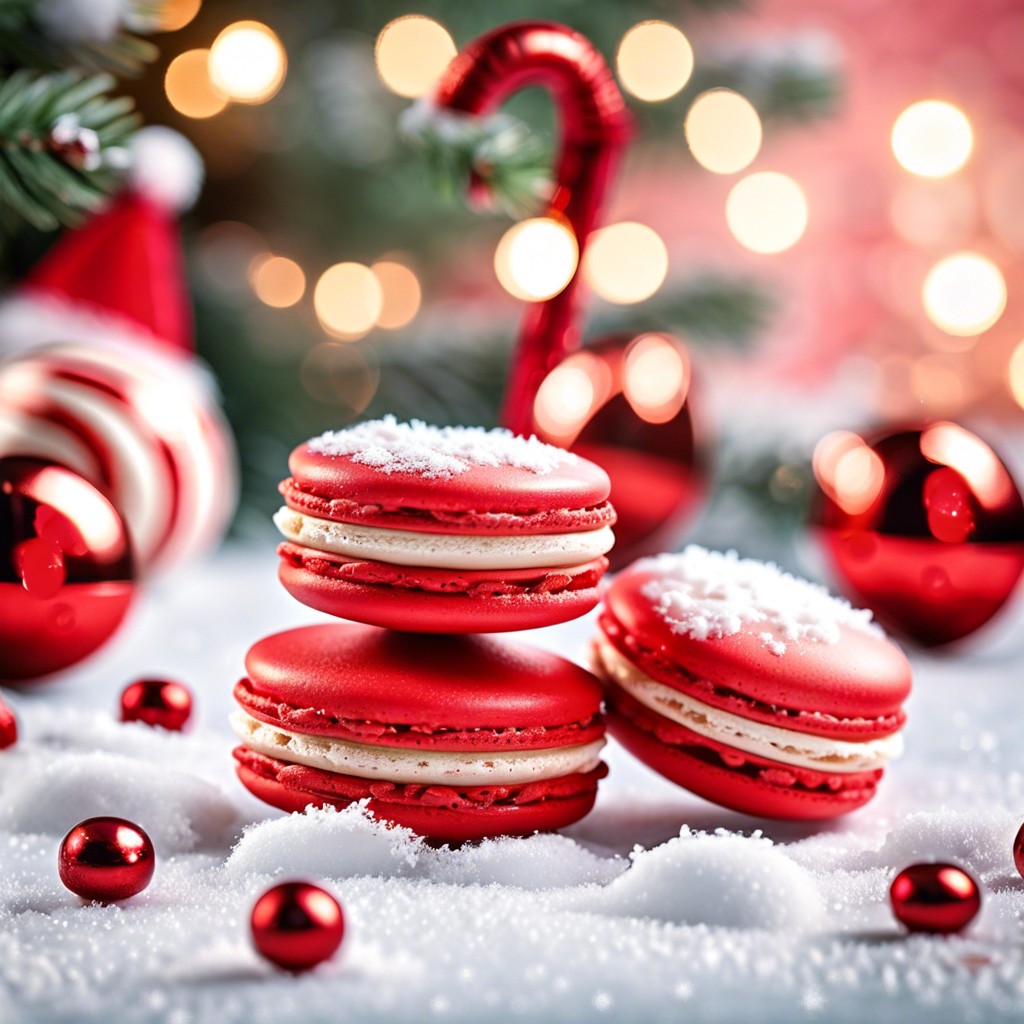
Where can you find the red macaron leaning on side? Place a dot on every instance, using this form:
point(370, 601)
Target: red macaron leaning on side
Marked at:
point(749, 687)
point(458, 738)
point(443, 529)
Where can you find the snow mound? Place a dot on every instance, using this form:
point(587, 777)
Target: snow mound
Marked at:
point(51, 792)
point(719, 879)
point(544, 861)
point(326, 843)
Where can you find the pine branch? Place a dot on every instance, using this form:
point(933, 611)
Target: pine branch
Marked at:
point(26, 43)
point(57, 133)
point(498, 152)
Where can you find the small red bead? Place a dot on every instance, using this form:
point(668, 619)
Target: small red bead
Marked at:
point(8, 727)
point(1018, 851)
point(938, 898)
point(157, 702)
point(106, 859)
point(297, 925)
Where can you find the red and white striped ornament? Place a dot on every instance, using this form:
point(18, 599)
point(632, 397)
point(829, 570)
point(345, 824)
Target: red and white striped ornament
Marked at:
point(144, 427)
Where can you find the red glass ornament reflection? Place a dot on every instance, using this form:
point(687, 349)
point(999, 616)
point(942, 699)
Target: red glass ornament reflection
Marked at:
point(923, 526)
point(626, 403)
point(106, 859)
point(1018, 851)
point(938, 898)
point(66, 571)
point(157, 702)
point(297, 925)
point(8, 727)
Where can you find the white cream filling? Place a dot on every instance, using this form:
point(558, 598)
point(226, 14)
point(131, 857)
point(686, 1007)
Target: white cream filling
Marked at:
point(443, 550)
point(784, 745)
point(425, 767)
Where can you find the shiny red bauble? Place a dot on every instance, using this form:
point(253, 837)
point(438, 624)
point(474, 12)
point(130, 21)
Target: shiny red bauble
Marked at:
point(297, 925)
point(1018, 851)
point(8, 727)
point(106, 859)
point(923, 526)
point(626, 403)
point(66, 569)
point(159, 702)
point(938, 898)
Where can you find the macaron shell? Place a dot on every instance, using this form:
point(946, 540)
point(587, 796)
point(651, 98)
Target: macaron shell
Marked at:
point(423, 612)
point(557, 520)
point(577, 485)
point(438, 824)
point(707, 776)
point(314, 722)
point(861, 676)
point(460, 682)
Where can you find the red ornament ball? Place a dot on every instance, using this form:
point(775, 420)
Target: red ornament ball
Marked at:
point(626, 403)
point(937, 898)
point(297, 925)
point(1018, 851)
point(8, 727)
point(106, 859)
point(925, 527)
point(66, 570)
point(157, 702)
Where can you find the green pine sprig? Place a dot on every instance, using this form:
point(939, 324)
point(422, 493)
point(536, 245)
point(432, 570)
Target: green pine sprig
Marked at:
point(499, 151)
point(36, 181)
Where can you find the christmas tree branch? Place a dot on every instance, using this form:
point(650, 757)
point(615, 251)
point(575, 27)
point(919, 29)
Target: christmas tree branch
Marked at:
point(36, 34)
point(60, 135)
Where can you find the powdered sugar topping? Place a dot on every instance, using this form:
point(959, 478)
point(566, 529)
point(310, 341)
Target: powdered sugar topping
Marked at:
point(438, 452)
point(708, 595)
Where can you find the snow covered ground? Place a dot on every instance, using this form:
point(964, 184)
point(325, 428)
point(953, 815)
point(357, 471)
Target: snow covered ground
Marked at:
point(656, 907)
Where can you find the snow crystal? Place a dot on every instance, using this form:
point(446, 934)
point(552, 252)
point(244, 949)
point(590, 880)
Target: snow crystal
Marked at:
point(438, 452)
point(708, 595)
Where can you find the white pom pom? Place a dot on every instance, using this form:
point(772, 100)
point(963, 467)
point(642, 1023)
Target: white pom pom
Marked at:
point(166, 167)
point(81, 21)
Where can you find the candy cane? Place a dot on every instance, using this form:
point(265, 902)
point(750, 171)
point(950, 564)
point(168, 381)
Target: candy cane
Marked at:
point(595, 127)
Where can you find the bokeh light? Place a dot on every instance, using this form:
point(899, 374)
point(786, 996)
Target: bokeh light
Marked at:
point(536, 258)
point(348, 300)
point(569, 394)
point(277, 281)
point(949, 444)
point(175, 14)
point(723, 131)
point(932, 138)
point(189, 87)
point(401, 291)
point(1015, 374)
point(343, 376)
point(654, 61)
point(656, 377)
point(625, 262)
point(848, 471)
point(412, 53)
point(964, 294)
point(766, 212)
point(247, 62)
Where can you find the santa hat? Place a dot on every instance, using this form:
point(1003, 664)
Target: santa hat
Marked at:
point(118, 280)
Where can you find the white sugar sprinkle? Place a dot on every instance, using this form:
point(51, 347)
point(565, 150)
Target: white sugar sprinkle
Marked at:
point(708, 595)
point(438, 452)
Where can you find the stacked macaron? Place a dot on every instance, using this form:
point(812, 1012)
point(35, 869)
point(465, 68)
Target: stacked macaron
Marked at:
point(443, 534)
point(750, 687)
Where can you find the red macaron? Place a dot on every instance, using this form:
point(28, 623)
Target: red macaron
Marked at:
point(749, 687)
point(457, 738)
point(443, 530)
